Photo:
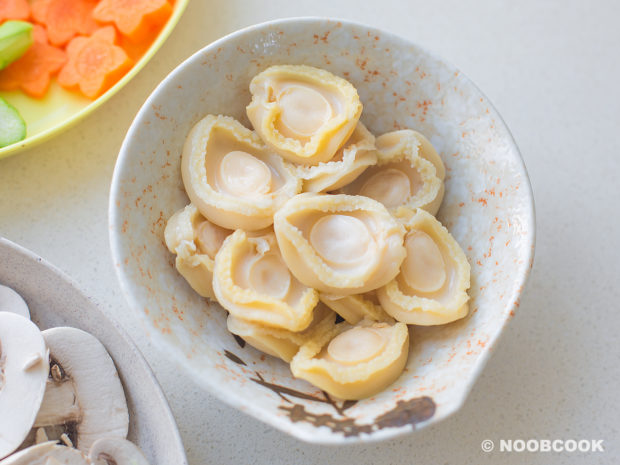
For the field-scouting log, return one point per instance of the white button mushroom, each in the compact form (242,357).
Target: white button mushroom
(107,451)
(23,371)
(84,392)
(11,301)
(47,453)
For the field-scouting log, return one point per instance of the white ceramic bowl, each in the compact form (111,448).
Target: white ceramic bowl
(54,300)
(488,207)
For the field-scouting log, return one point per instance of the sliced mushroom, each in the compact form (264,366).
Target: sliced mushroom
(11,301)
(23,371)
(116,451)
(84,392)
(46,453)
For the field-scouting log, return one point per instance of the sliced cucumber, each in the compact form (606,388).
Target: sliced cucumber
(12,125)
(15,39)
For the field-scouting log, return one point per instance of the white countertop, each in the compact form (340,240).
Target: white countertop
(552,70)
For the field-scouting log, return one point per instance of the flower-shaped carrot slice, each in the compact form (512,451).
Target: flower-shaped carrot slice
(134,18)
(94,63)
(64,19)
(33,71)
(14,9)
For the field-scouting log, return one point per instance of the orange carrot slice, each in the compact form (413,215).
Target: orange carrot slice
(14,9)
(64,19)
(94,63)
(33,71)
(133,18)
(136,50)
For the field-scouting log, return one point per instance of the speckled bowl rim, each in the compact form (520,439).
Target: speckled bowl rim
(521,274)
(174,435)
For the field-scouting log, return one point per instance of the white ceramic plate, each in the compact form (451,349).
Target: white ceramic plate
(488,207)
(54,300)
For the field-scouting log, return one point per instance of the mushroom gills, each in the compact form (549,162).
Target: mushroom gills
(84,391)
(60,399)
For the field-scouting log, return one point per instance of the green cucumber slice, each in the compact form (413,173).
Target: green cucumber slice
(15,39)
(12,125)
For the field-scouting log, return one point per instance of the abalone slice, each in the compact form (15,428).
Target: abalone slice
(397,141)
(339,244)
(349,162)
(231,177)
(355,308)
(252,282)
(281,343)
(409,173)
(303,113)
(354,362)
(431,288)
(195,241)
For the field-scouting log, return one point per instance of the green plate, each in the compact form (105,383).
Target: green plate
(60,109)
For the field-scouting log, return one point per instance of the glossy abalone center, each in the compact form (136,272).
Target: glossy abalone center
(209,237)
(340,239)
(424,268)
(304,111)
(269,275)
(391,187)
(243,174)
(356,345)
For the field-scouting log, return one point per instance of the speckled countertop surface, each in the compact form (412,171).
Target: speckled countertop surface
(551,69)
